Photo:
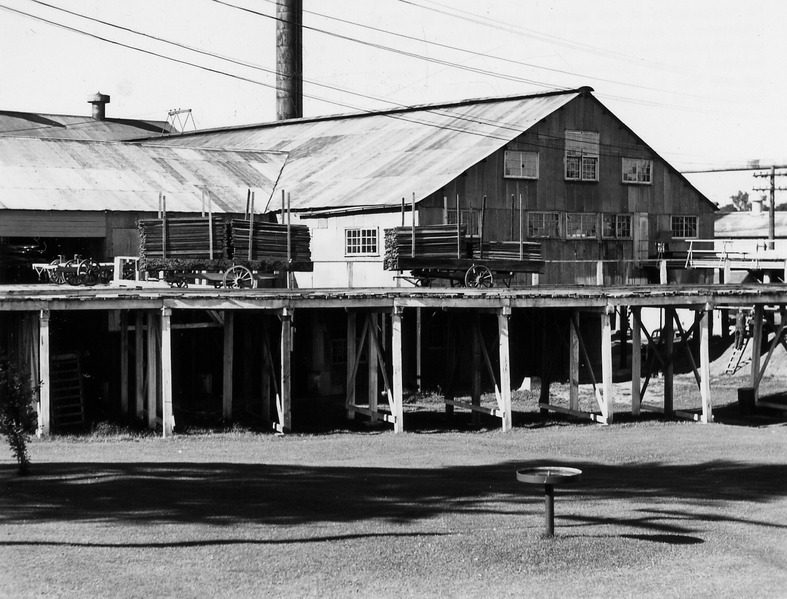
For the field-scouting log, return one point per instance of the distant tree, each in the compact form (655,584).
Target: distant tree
(740,201)
(17,415)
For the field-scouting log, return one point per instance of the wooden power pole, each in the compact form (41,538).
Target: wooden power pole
(772,203)
(289,59)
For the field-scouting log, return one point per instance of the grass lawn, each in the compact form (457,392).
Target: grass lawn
(664,509)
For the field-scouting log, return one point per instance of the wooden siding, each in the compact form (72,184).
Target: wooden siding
(28,223)
(572,260)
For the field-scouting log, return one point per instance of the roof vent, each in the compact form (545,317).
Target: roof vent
(99,102)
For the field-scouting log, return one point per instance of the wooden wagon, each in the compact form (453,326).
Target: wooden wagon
(74,271)
(445,252)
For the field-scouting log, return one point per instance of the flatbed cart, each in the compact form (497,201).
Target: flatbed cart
(223,273)
(75,271)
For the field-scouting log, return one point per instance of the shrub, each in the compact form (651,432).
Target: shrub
(17,415)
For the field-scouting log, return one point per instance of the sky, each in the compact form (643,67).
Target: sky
(701,81)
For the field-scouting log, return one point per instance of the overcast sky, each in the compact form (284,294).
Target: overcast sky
(701,81)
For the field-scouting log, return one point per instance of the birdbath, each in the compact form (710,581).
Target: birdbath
(550,477)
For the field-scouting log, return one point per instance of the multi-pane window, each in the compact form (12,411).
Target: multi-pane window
(581,224)
(521,165)
(637,170)
(543,224)
(616,226)
(683,226)
(360,242)
(469,220)
(582,151)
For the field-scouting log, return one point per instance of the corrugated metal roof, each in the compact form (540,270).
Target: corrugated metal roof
(58,126)
(375,159)
(47,174)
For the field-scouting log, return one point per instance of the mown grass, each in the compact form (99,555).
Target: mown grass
(664,509)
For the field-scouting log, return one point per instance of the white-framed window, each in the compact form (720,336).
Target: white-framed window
(469,220)
(582,151)
(543,224)
(683,226)
(616,226)
(520,165)
(637,170)
(360,242)
(581,224)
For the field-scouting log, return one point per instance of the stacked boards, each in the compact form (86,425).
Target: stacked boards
(270,241)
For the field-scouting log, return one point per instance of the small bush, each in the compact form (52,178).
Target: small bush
(17,416)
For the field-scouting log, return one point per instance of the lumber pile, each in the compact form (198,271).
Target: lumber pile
(183,238)
(268,241)
(431,242)
(506,250)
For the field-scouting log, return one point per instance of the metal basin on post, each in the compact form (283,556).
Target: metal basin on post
(549,477)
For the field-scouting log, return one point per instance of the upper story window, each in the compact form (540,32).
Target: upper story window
(581,224)
(637,170)
(360,242)
(616,226)
(683,226)
(521,165)
(469,220)
(582,151)
(543,224)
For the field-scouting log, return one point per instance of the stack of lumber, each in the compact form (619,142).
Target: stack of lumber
(433,243)
(183,239)
(269,242)
(507,250)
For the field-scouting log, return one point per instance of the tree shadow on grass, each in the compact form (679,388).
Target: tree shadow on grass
(226,494)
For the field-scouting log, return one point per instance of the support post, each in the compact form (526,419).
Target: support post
(285,410)
(139,363)
(636,360)
(418,348)
(44,396)
(372,360)
(475,398)
(669,369)
(606,364)
(351,324)
(267,368)
(229,357)
(707,408)
(505,367)
(397,401)
(124,363)
(756,349)
(152,370)
(573,375)
(167,414)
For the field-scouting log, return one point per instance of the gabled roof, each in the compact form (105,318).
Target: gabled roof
(59,126)
(48,174)
(375,159)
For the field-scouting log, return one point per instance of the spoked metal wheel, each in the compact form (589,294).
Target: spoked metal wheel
(239,277)
(88,272)
(55,276)
(478,276)
(71,274)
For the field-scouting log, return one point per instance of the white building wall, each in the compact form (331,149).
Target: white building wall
(332,267)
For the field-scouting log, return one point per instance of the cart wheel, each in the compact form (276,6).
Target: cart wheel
(70,276)
(239,277)
(478,276)
(88,272)
(55,276)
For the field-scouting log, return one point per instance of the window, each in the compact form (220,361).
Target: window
(683,226)
(637,170)
(616,226)
(360,242)
(581,224)
(469,220)
(543,224)
(521,165)
(582,149)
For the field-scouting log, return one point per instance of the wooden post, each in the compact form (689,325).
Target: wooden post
(286,381)
(707,408)
(229,365)
(350,363)
(521,229)
(663,279)
(124,362)
(476,391)
(481,232)
(372,360)
(44,396)
(267,367)
(636,360)
(289,246)
(546,368)
(505,367)
(600,273)
(668,331)
(458,229)
(573,375)
(412,230)
(606,365)
(167,415)
(397,401)
(418,347)
(139,363)
(152,370)
(756,350)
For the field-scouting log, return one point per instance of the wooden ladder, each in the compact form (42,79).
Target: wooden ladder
(68,405)
(735,359)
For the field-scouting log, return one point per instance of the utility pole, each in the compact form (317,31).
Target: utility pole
(772,204)
(289,59)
